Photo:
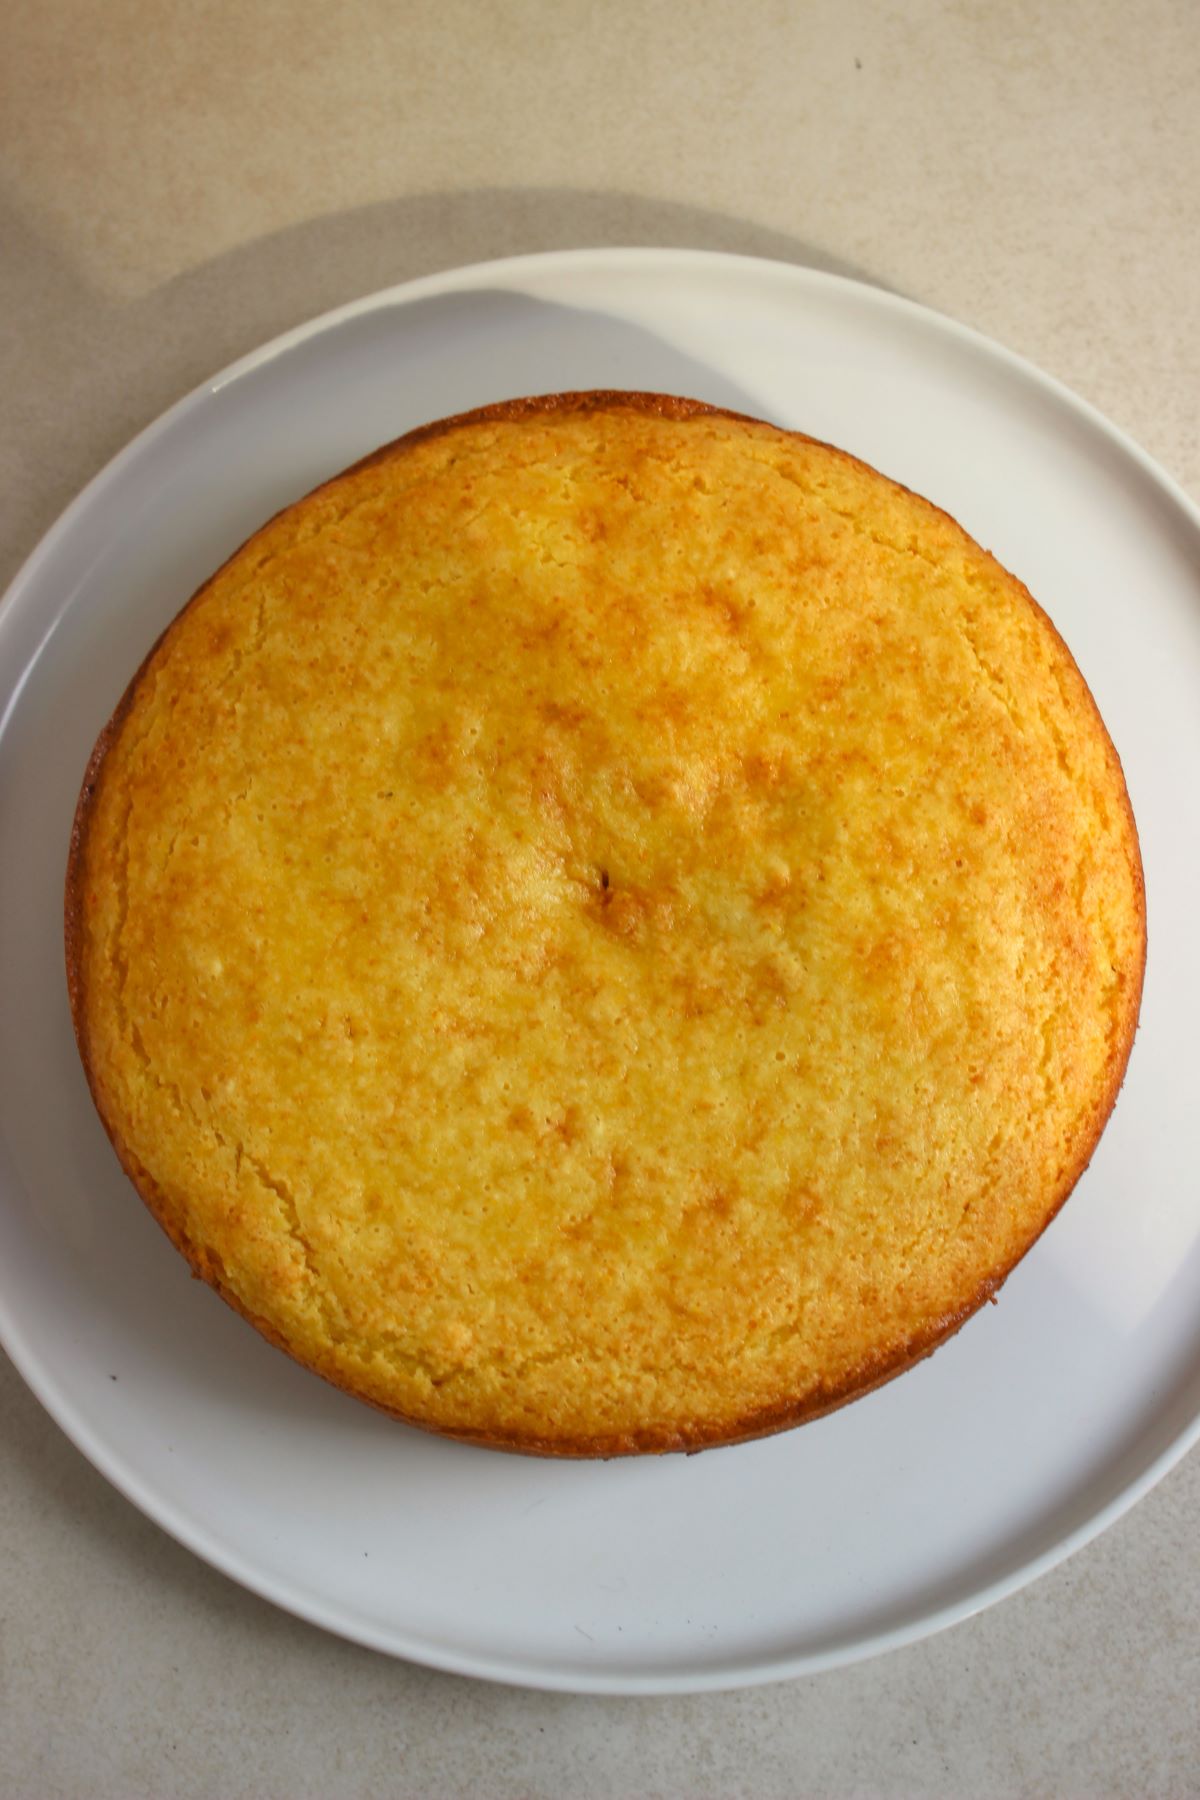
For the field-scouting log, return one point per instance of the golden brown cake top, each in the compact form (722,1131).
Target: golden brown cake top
(608,926)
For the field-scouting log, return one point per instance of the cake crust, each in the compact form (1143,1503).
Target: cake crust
(434,1346)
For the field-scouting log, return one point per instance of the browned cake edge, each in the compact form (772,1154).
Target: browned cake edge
(874,1372)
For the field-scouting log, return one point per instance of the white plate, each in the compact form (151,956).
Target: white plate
(1024,1436)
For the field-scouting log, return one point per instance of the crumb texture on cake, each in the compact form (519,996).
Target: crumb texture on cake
(608,926)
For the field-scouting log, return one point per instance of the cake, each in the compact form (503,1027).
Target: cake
(608,927)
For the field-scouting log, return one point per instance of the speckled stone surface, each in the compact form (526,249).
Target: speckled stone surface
(176,185)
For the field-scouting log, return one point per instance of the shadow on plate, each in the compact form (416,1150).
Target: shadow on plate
(121,363)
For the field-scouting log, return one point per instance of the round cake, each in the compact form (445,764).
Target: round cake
(608,927)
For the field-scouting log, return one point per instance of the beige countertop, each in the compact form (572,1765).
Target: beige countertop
(180,183)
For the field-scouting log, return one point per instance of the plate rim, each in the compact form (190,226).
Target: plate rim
(72,1419)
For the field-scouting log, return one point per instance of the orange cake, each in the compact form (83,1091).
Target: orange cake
(608,927)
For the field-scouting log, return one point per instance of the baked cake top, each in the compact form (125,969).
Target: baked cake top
(609,926)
